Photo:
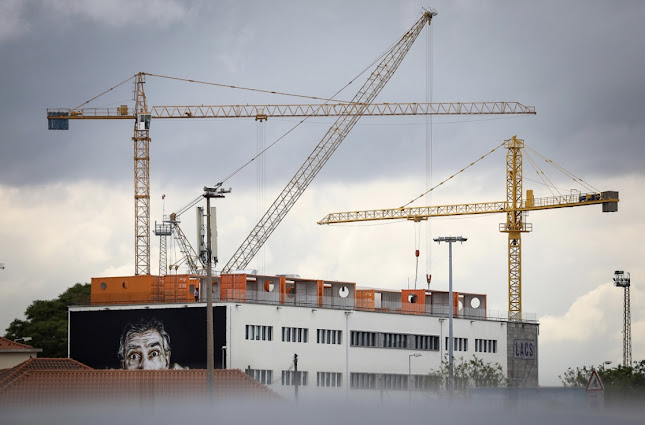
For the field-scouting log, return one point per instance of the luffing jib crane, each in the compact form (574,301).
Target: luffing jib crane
(514,207)
(348,113)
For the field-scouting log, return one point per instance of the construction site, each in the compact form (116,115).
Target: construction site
(300,334)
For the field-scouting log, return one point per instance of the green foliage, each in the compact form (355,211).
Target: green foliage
(46,321)
(620,383)
(473,373)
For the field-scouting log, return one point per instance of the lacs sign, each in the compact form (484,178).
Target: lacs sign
(524,349)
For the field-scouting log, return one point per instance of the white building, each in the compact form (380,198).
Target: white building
(347,340)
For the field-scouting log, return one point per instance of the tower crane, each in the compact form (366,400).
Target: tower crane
(514,207)
(348,112)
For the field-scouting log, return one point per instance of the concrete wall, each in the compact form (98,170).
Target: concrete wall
(9,359)
(314,357)
(522,354)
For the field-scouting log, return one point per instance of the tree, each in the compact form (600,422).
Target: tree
(622,384)
(46,321)
(473,373)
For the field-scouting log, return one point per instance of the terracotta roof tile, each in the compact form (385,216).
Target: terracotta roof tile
(55,386)
(7,375)
(7,344)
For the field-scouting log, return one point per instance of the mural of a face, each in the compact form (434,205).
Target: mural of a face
(145,350)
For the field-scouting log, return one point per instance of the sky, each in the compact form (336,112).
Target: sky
(66,197)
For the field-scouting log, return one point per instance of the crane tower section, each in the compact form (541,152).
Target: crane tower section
(515,224)
(141,140)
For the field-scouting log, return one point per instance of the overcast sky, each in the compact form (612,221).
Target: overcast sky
(66,197)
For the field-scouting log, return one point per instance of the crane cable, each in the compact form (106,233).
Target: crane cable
(429,153)
(211,84)
(308,116)
(230,86)
(458,172)
(542,175)
(564,171)
(101,94)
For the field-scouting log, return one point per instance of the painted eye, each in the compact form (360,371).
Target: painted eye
(134,356)
(154,354)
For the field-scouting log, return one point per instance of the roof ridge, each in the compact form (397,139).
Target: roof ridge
(22,368)
(6,343)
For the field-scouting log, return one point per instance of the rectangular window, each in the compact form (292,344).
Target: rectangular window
(289,377)
(392,340)
(486,345)
(295,334)
(259,332)
(329,336)
(328,379)
(263,376)
(363,380)
(459,344)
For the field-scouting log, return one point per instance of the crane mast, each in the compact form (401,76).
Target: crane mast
(515,225)
(325,148)
(141,140)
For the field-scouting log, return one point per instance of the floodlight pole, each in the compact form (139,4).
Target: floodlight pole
(210,192)
(623,279)
(450,240)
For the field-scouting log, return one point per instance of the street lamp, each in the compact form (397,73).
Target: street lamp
(210,192)
(410,373)
(450,240)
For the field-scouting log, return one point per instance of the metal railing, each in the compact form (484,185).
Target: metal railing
(335,303)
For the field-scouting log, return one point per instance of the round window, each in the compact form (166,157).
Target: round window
(103,286)
(343,291)
(475,303)
(412,298)
(268,286)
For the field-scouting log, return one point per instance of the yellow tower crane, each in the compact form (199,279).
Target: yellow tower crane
(514,207)
(348,113)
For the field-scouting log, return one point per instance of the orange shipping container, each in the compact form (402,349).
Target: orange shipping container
(413,300)
(365,299)
(125,290)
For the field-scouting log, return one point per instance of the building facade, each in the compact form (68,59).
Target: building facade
(326,337)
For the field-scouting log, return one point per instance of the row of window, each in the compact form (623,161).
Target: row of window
(386,381)
(328,336)
(263,376)
(260,333)
(369,339)
(485,346)
(459,344)
(265,333)
(392,340)
(329,379)
(392,381)
(295,334)
(290,377)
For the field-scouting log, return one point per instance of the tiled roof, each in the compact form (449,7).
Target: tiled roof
(55,386)
(8,375)
(7,344)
